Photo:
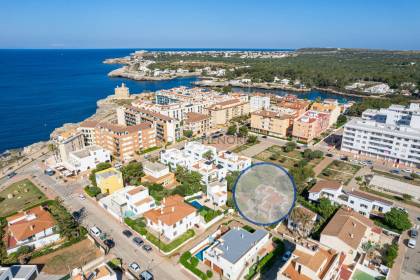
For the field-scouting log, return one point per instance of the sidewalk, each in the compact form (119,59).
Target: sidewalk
(322,165)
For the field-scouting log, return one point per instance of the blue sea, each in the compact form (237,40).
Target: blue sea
(43,89)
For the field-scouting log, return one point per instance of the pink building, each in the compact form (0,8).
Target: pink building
(310,125)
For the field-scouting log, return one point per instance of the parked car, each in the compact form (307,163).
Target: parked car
(329,155)
(412,243)
(11,175)
(110,243)
(49,172)
(408,177)
(147,248)
(135,267)
(408,170)
(344,158)
(264,137)
(146,275)
(414,233)
(127,233)
(402,209)
(95,231)
(76,215)
(286,256)
(369,162)
(395,171)
(138,241)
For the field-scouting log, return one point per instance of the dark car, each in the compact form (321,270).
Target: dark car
(110,243)
(264,136)
(147,248)
(127,233)
(11,175)
(138,241)
(395,171)
(329,155)
(146,275)
(408,178)
(76,215)
(345,158)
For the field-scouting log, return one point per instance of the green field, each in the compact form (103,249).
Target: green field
(339,171)
(18,196)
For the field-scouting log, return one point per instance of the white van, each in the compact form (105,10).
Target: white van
(95,231)
(412,243)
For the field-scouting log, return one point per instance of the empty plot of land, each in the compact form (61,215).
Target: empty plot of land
(277,155)
(20,195)
(339,171)
(59,262)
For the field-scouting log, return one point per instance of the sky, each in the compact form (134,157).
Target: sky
(380,24)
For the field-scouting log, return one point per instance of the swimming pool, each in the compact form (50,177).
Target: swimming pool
(196,204)
(200,254)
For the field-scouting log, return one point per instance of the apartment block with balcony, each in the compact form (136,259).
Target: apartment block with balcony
(259,101)
(272,123)
(310,125)
(330,106)
(199,124)
(391,134)
(121,140)
(224,111)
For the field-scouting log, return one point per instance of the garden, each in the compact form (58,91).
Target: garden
(19,196)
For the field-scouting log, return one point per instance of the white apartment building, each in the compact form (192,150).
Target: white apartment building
(392,134)
(236,251)
(217,192)
(233,162)
(259,102)
(191,154)
(19,272)
(172,218)
(360,202)
(129,202)
(87,158)
(209,171)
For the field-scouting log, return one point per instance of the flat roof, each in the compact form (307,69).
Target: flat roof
(237,242)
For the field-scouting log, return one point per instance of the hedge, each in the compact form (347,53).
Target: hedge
(140,227)
(92,191)
(189,262)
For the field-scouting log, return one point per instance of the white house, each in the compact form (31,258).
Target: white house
(236,251)
(327,189)
(217,192)
(360,202)
(19,272)
(34,228)
(209,171)
(172,218)
(130,201)
(87,158)
(233,162)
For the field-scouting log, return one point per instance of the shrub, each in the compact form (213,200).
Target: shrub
(92,191)
(209,273)
(390,255)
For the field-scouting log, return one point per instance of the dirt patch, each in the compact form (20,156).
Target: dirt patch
(64,260)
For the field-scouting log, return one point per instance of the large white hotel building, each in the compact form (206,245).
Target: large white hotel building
(392,134)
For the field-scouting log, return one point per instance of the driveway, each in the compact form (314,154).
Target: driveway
(256,149)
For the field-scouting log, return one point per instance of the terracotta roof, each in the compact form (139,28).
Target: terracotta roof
(26,227)
(349,226)
(195,117)
(89,124)
(369,197)
(136,190)
(227,103)
(325,184)
(143,201)
(173,209)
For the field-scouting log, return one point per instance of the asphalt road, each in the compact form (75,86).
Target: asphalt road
(160,266)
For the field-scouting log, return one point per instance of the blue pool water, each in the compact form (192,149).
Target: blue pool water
(196,204)
(200,254)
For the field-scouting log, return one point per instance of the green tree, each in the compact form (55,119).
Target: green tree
(208,155)
(325,208)
(243,131)
(187,133)
(132,173)
(252,139)
(390,255)
(231,179)
(290,146)
(301,175)
(341,120)
(190,182)
(397,219)
(232,130)
(101,166)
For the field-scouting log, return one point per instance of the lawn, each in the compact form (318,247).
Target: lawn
(339,171)
(244,147)
(360,275)
(59,262)
(277,155)
(23,194)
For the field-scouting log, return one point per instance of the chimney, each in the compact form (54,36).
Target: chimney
(173,209)
(32,227)
(351,235)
